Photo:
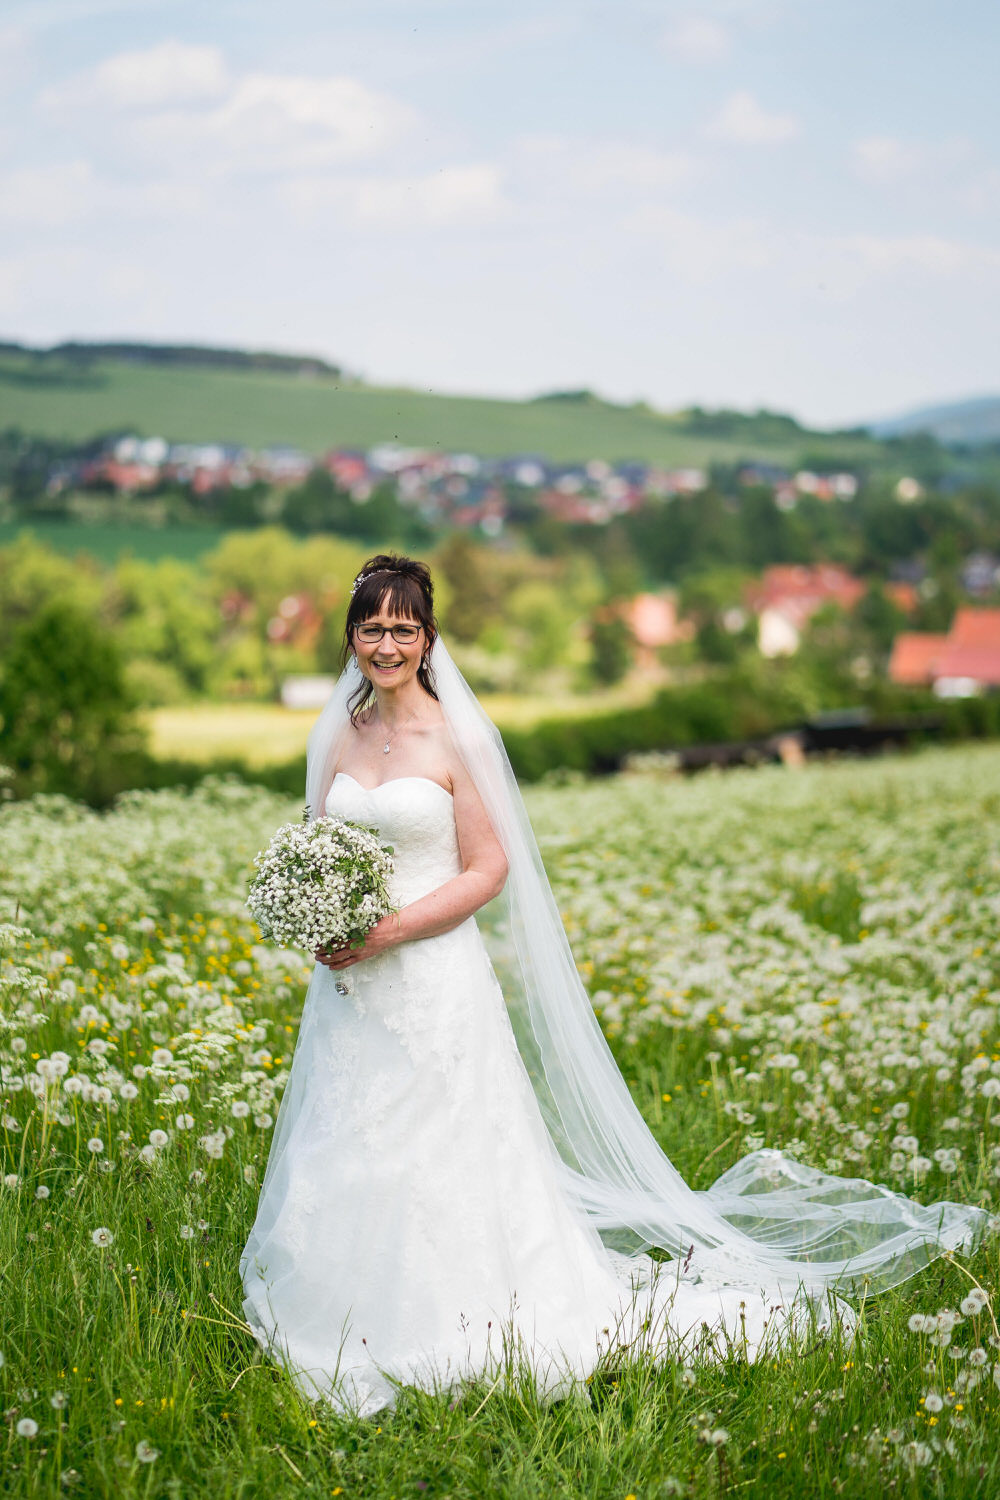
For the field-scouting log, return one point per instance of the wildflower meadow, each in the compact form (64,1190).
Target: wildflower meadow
(799,958)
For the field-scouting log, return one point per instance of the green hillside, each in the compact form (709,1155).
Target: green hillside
(72,401)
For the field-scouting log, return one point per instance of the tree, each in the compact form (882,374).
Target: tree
(474,587)
(880,617)
(66,714)
(32,574)
(165,615)
(611,647)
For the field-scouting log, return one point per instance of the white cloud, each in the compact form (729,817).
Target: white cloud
(916,271)
(558,162)
(695,38)
(701,250)
(329,117)
(15,52)
(273,123)
(57,291)
(745,122)
(452,195)
(881,157)
(170,73)
(636,166)
(47,197)
(982,193)
(922,252)
(189,112)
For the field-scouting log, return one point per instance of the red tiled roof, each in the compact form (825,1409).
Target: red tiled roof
(810,586)
(903,594)
(981,663)
(977,628)
(970,649)
(915,655)
(973,648)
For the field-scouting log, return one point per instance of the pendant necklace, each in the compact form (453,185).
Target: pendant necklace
(390,737)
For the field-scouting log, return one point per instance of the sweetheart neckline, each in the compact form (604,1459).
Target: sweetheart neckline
(429,780)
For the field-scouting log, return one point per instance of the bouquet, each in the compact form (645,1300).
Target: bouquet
(321,884)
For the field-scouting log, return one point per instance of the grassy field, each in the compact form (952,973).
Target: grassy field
(109,543)
(803,959)
(258,408)
(264,734)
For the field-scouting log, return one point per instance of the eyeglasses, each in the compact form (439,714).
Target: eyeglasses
(405,635)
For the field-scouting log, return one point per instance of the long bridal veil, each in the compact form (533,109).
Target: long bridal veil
(767,1222)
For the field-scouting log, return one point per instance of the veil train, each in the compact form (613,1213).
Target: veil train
(769,1221)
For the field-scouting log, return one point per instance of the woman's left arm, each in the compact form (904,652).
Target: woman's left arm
(484,872)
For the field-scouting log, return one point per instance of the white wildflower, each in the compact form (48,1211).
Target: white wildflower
(321,883)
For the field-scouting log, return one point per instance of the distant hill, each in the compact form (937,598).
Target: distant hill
(75,392)
(959,423)
(83,354)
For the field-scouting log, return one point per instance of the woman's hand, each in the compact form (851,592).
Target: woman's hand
(385,934)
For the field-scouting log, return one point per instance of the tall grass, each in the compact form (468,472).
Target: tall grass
(802,958)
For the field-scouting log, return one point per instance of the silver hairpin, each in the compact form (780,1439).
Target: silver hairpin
(363,577)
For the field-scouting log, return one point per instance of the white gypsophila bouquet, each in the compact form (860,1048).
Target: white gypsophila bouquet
(321,884)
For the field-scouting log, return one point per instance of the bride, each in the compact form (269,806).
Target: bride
(459,1182)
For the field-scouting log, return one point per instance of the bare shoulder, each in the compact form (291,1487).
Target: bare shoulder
(437,746)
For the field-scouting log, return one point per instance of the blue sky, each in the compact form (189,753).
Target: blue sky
(786,203)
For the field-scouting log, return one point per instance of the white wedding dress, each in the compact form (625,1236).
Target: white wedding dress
(412,1227)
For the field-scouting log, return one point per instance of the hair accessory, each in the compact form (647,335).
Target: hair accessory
(363,578)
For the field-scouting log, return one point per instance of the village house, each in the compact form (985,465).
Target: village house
(788,594)
(442,486)
(652,619)
(959,664)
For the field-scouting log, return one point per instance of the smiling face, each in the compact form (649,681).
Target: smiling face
(387,662)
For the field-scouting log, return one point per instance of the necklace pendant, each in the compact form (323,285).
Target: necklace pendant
(385,748)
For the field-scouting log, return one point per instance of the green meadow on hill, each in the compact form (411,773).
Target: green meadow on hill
(315,412)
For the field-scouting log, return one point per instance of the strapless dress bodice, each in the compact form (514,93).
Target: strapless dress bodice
(413,814)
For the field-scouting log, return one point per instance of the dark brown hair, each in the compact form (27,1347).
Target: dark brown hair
(401,586)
